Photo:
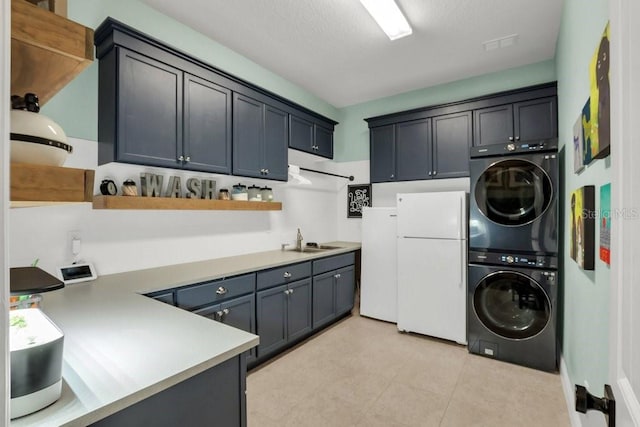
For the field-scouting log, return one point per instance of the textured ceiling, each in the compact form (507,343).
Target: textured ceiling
(334,49)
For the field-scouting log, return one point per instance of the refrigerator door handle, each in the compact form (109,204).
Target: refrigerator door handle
(463,252)
(461,217)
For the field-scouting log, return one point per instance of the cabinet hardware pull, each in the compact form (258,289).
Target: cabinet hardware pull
(219,314)
(225,311)
(221,290)
(187,159)
(517,138)
(435,172)
(181,158)
(266,171)
(510,138)
(392,176)
(286,292)
(287,275)
(290,291)
(429,173)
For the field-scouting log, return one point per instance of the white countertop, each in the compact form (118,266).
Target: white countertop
(121,347)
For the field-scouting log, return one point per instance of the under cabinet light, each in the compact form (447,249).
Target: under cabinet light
(389,17)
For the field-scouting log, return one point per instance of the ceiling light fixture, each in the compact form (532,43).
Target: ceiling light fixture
(389,17)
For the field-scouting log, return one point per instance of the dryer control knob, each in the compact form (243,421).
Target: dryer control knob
(511,147)
(510,259)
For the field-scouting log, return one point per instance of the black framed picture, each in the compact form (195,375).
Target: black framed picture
(358,196)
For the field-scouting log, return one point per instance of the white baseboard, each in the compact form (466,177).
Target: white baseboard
(569,394)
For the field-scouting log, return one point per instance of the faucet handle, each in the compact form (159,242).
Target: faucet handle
(284,245)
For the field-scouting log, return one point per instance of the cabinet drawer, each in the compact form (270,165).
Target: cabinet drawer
(331,263)
(286,274)
(217,290)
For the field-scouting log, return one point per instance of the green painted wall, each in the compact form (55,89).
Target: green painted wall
(75,108)
(353,133)
(586,293)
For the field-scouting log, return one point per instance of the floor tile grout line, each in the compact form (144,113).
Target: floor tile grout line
(453,390)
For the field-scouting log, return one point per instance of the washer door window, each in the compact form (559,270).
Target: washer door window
(513,192)
(511,305)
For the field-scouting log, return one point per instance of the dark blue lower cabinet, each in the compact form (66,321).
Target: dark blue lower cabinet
(283,315)
(299,309)
(215,397)
(345,290)
(333,295)
(323,299)
(271,311)
(238,312)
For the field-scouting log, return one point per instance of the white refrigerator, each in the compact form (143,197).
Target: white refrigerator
(378,290)
(432,264)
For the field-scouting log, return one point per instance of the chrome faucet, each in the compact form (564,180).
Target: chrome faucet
(299,241)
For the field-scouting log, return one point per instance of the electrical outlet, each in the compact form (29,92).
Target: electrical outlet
(75,239)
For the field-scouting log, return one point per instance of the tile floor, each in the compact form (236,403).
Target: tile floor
(363,372)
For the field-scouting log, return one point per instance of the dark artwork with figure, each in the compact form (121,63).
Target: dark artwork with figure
(600,99)
(582,227)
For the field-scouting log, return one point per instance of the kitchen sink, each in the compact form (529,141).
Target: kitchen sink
(314,248)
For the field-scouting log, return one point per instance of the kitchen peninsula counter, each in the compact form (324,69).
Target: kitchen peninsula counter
(122,347)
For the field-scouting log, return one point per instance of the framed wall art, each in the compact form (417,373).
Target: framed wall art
(586,133)
(358,196)
(578,156)
(582,233)
(605,223)
(599,91)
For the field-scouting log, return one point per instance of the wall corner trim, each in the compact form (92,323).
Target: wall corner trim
(569,396)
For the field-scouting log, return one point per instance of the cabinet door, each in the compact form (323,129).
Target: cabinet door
(345,289)
(301,134)
(149,111)
(452,135)
(493,125)
(413,150)
(248,134)
(323,299)
(271,311)
(324,142)
(276,142)
(240,313)
(207,126)
(382,159)
(537,119)
(299,309)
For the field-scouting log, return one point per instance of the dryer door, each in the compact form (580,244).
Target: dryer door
(512,305)
(513,192)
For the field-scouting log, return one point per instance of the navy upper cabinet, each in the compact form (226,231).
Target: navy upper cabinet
(519,121)
(382,148)
(260,139)
(147,108)
(413,150)
(311,136)
(452,138)
(207,125)
(158,106)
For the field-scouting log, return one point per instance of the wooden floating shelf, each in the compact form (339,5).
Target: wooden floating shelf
(38,185)
(47,50)
(129,202)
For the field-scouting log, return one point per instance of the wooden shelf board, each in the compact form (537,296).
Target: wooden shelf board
(38,185)
(127,202)
(47,50)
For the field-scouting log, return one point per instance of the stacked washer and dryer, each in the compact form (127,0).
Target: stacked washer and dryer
(513,253)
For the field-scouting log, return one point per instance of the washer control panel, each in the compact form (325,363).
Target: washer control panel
(499,258)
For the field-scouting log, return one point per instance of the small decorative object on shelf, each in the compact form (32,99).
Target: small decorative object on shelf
(224,194)
(108,187)
(267,194)
(254,194)
(239,192)
(129,188)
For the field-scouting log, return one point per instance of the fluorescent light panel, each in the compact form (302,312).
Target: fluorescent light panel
(389,17)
